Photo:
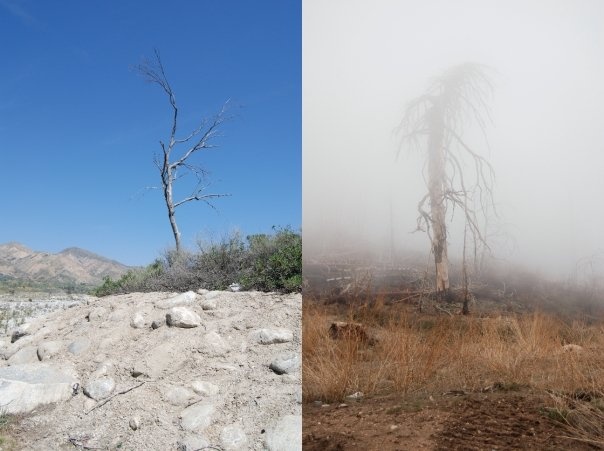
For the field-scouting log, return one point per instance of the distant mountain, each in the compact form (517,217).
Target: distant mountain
(72,266)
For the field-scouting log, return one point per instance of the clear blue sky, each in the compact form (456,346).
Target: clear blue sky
(78,127)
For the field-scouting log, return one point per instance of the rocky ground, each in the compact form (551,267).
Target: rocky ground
(16,309)
(154,371)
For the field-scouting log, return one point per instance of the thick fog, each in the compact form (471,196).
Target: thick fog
(363,61)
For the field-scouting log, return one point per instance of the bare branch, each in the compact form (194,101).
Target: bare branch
(154,73)
(193,133)
(483,169)
(204,141)
(204,198)
(423,216)
(141,192)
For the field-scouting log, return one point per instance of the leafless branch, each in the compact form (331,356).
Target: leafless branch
(204,141)
(423,216)
(141,192)
(204,198)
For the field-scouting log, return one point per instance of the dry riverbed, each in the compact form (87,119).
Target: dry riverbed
(158,371)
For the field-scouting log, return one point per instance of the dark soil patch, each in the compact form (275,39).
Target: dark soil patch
(457,421)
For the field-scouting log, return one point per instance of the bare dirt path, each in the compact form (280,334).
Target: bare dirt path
(455,421)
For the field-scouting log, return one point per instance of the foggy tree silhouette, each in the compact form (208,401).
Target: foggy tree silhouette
(434,123)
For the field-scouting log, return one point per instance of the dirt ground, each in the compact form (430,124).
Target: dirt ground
(172,387)
(450,421)
(521,342)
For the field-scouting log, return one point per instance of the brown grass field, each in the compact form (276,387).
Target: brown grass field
(434,381)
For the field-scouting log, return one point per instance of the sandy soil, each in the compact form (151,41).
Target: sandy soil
(221,364)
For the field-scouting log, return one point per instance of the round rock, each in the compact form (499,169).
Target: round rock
(197,417)
(182,317)
(286,435)
(135,423)
(48,349)
(192,443)
(209,304)
(25,387)
(233,438)
(156,324)
(79,346)
(214,345)
(272,336)
(97,314)
(205,388)
(137,321)
(99,388)
(181,299)
(177,396)
(27,354)
(286,363)
(21,331)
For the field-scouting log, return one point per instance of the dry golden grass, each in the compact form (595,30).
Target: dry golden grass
(583,420)
(441,353)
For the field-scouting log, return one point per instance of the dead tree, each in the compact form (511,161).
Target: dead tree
(434,123)
(171,167)
(587,277)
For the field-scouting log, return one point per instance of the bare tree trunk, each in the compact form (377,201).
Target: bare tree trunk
(436,186)
(198,140)
(439,115)
(167,180)
(465,280)
(175,231)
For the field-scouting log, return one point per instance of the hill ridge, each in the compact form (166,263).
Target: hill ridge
(71,266)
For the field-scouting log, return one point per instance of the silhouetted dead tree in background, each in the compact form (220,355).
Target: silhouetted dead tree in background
(434,123)
(172,168)
(588,276)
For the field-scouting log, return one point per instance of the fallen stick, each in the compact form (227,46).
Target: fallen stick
(437,307)
(416,295)
(80,443)
(193,403)
(105,401)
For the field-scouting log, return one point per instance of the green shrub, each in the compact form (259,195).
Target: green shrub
(275,262)
(261,262)
(138,279)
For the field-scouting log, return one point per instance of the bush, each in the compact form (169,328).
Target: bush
(261,262)
(217,265)
(275,262)
(139,279)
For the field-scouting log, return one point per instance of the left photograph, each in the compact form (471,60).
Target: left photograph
(151,245)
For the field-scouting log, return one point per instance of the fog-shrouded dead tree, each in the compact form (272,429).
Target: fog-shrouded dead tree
(588,277)
(173,165)
(456,176)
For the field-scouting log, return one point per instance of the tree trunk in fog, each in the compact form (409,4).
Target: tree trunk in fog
(464,274)
(433,123)
(436,190)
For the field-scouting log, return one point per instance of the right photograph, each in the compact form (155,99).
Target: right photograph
(453,218)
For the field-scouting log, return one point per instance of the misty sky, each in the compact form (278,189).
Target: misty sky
(362,61)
